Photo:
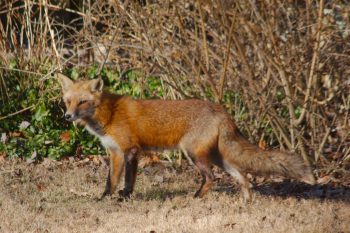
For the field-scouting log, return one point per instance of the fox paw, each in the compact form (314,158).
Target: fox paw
(104,194)
(124,194)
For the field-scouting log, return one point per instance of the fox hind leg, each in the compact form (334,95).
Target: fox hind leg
(234,171)
(200,150)
(203,164)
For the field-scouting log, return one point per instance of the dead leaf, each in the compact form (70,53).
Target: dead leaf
(96,160)
(324,180)
(79,151)
(80,194)
(40,187)
(249,176)
(18,172)
(2,157)
(219,175)
(259,179)
(65,136)
(155,159)
(262,144)
(34,155)
(159,179)
(148,160)
(103,161)
(229,225)
(335,156)
(16,134)
(277,179)
(47,162)
(144,162)
(86,160)
(32,158)
(70,159)
(30,161)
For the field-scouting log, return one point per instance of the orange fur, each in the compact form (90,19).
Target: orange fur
(203,130)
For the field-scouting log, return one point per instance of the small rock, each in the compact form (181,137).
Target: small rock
(4,138)
(24,125)
(159,179)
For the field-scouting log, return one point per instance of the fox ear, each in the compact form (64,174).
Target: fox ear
(66,83)
(96,85)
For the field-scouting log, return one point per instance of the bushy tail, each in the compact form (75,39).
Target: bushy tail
(239,152)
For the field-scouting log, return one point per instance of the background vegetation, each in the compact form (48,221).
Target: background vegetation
(281,68)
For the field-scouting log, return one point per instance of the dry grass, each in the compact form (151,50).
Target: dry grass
(61,197)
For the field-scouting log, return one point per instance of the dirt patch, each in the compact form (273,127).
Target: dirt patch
(62,197)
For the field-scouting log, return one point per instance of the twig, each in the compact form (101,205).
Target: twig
(273,117)
(7,171)
(107,54)
(68,10)
(346,155)
(320,148)
(228,48)
(18,112)
(204,36)
(210,81)
(177,89)
(276,133)
(52,35)
(313,64)
(284,81)
(56,68)
(243,57)
(19,70)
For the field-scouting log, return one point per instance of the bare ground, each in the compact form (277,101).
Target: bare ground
(62,197)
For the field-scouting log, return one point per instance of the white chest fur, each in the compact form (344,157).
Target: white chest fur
(107,141)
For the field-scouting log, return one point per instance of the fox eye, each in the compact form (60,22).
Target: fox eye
(82,102)
(68,102)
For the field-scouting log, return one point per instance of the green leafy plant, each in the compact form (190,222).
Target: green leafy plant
(40,131)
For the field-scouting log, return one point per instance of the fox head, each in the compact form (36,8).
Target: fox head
(81,97)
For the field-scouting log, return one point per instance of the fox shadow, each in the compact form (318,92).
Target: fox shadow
(298,190)
(283,189)
(305,191)
(160,194)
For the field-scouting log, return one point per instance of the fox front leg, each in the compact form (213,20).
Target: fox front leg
(116,166)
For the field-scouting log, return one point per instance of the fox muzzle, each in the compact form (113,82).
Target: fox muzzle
(69,117)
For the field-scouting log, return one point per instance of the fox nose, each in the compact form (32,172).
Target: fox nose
(68,116)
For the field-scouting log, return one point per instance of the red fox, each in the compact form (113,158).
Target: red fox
(201,129)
